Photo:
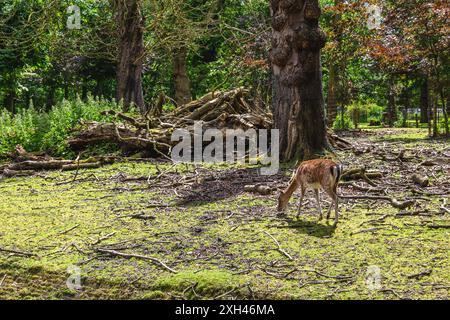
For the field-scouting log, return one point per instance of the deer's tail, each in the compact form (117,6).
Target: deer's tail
(337,171)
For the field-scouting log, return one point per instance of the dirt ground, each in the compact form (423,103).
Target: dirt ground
(153,230)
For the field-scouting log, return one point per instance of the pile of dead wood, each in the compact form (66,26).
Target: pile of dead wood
(151,134)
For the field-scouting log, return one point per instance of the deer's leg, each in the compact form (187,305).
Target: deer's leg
(334,197)
(302,190)
(330,193)
(316,192)
(336,214)
(329,209)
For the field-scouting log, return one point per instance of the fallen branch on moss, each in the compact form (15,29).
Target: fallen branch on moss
(394,202)
(20,253)
(138,256)
(27,164)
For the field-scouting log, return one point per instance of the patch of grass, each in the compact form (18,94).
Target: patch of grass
(403,135)
(193,284)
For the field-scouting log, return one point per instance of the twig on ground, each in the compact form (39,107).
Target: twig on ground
(138,256)
(279,246)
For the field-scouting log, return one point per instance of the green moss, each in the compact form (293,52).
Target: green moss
(216,246)
(205,283)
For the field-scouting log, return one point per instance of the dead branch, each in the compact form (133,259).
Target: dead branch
(20,253)
(394,202)
(279,246)
(138,256)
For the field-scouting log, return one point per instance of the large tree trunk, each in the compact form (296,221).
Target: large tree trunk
(131,53)
(424,102)
(180,77)
(297,102)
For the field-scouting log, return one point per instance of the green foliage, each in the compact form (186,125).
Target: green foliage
(444,124)
(38,131)
(372,121)
(343,122)
(400,121)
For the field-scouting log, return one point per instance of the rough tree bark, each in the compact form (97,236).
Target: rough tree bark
(297,102)
(180,77)
(131,53)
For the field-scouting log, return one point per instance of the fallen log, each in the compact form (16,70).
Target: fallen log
(394,202)
(39,165)
(77,166)
(30,167)
(361,173)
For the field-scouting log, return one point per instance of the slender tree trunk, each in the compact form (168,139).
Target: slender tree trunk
(9,101)
(297,102)
(84,92)
(131,53)
(391,108)
(446,108)
(50,100)
(331,98)
(435,116)
(406,103)
(333,72)
(180,77)
(97,92)
(430,104)
(424,102)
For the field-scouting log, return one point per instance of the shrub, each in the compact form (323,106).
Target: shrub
(25,128)
(343,122)
(38,131)
(373,122)
(444,124)
(400,123)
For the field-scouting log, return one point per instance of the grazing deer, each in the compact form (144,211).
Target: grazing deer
(315,174)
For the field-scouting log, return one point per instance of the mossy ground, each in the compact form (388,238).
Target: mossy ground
(217,239)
